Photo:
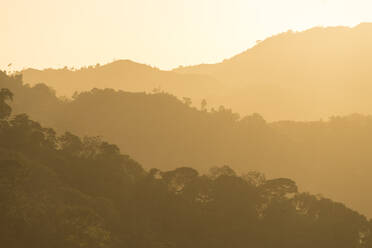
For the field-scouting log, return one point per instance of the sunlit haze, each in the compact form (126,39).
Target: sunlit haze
(185,123)
(162,33)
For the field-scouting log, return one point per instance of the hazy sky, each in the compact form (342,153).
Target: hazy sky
(162,33)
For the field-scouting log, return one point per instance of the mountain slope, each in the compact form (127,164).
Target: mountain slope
(300,75)
(291,76)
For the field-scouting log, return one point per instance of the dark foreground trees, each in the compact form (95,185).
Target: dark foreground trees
(64,191)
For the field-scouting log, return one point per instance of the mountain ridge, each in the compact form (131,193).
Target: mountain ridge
(303,76)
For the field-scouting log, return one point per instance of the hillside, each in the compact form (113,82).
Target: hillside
(161,131)
(300,75)
(65,191)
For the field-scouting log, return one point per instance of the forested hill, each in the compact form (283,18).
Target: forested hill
(161,131)
(63,191)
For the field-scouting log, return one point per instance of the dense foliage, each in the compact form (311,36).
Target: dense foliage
(331,157)
(65,191)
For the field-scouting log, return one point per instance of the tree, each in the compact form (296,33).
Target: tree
(5,110)
(203,105)
(187,101)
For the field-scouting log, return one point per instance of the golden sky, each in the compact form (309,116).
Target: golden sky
(162,33)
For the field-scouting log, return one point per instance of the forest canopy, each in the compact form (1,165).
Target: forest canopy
(66,191)
(159,130)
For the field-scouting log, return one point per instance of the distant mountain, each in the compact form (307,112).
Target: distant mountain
(124,75)
(291,76)
(299,75)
